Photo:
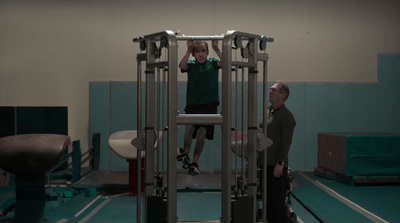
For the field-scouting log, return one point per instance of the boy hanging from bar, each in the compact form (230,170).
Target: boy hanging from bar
(201,97)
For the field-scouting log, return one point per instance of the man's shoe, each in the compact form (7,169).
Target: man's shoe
(194,169)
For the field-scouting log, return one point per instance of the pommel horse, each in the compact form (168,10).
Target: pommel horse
(29,157)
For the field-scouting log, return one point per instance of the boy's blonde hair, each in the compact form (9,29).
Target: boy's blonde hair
(200,42)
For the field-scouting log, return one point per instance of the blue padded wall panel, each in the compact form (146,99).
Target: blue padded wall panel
(123,116)
(316,119)
(389,92)
(99,118)
(341,107)
(365,109)
(295,103)
(123,106)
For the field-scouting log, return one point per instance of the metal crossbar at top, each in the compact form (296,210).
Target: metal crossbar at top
(243,36)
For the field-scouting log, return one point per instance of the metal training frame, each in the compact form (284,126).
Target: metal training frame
(160,115)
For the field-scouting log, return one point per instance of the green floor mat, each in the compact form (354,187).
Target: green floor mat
(323,205)
(381,200)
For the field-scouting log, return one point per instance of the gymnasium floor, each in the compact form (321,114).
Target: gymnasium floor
(102,197)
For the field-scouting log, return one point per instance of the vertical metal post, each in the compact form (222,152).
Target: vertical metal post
(158,128)
(172,126)
(149,126)
(264,153)
(236,128)
(226,127)
(242,173)
(252,128)
(138,152)
(164,97)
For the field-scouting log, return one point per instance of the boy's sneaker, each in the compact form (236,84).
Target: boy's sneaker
(186,162)
(184,158)
(181,154)
(194,169)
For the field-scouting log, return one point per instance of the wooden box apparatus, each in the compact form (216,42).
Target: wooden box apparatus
(359,158)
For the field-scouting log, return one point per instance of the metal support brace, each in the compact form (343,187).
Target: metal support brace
(194,119)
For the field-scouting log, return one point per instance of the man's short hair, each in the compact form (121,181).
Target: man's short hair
(284,89)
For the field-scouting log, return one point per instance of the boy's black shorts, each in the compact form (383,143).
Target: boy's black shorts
(211,108)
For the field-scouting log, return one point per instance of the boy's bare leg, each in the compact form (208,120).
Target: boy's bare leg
(200,141)
(187,140)
(187,144)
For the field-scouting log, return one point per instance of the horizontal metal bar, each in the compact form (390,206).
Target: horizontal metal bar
(199,37)
(158,35)
(197,119)
(153,36)
(243,64)
(246,36)
(158,64)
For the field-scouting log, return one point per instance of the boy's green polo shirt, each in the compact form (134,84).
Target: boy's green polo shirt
(202,85)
